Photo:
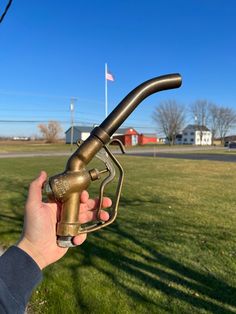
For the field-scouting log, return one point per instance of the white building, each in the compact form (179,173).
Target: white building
(196,135)
(79,132)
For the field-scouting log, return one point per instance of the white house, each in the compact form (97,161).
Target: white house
(196,135)
(79,132)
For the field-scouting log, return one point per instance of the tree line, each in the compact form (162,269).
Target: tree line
(170,117)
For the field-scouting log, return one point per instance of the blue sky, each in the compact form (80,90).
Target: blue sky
(52,50)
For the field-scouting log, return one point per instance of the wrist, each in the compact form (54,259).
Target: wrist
(25,245)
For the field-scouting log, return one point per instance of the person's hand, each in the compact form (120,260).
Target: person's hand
(39,232)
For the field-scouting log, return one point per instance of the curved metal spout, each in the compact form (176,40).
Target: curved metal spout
(134,98)
(101,134)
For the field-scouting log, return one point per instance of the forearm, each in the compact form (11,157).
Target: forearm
(19,274)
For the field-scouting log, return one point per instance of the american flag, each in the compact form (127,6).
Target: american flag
(109,77)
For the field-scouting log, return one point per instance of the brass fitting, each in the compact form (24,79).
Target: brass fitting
(66,188)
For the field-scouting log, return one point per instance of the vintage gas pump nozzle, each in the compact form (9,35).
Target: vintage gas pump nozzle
(66,187)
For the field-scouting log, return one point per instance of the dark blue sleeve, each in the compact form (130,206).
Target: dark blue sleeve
(19,274)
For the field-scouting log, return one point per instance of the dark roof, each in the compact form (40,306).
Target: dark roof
(82,128)
(123,130)
(230,138)
(197,127)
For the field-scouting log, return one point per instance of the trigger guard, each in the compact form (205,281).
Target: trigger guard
(109,160)
(104,157)
(93,224)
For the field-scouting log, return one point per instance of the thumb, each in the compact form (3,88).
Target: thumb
(35,189)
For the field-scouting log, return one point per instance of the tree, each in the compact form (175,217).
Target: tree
(226,120)
(50,131)
(169,116)
(213,110)
(222,119)
(200,112)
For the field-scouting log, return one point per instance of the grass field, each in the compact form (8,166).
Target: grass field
(40,146)
(172,248)
(31,146)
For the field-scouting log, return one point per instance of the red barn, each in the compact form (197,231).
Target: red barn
(128,136)
(147,138)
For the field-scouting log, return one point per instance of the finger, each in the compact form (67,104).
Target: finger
(106,202)
(93,204)
(92,215)
(78,240)
(84,197)
(35,189)
(103,215)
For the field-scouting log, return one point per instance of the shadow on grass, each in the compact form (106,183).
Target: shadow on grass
(154,270)
(12,208)
(137,262)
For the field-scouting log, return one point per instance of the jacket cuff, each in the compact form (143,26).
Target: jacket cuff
(20,274)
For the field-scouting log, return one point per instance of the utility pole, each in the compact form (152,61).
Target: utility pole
(72,109)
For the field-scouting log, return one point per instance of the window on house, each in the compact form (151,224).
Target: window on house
(191,139)
(192,133)
(186,133)
(185,140)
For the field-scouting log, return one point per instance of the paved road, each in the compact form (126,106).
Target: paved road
(198,156)
(183,153)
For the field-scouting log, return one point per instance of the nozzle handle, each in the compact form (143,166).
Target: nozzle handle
(109,161)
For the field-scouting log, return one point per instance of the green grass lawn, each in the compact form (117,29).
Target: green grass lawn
(172,248)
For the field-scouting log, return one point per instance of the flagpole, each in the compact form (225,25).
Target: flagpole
(106,105)
(72,109)
(72,123)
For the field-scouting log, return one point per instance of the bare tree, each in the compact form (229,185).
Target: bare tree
(200,113)
(50,131)
(213,110)
(169,116)
(226,120)
(222,119)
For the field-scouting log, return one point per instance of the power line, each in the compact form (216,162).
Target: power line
(76,122)
(5,11)
(46,110)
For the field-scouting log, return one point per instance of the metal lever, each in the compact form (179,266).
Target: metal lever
(108,158)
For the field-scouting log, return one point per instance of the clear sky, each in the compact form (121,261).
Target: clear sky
(53,50)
